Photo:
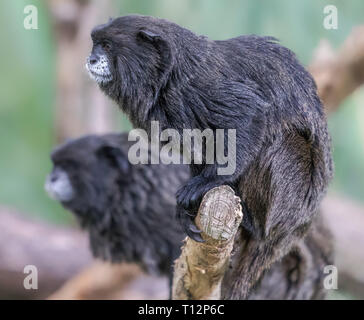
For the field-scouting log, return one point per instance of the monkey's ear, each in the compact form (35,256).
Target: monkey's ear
(148,35)
(116,157)
(165,49)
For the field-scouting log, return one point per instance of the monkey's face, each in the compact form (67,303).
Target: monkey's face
(98,65)
(85,173)
(130,58)
(121,54)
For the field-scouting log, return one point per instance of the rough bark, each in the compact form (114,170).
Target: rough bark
(201,266)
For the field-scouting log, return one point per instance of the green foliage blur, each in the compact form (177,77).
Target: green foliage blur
(27,82)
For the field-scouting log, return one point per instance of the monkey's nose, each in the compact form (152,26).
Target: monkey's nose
(93,59)
(54,177)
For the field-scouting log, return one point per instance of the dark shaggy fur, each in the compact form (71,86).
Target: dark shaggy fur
(128,210)
(298,275)
(161,71)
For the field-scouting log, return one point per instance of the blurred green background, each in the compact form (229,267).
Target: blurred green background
(27,83)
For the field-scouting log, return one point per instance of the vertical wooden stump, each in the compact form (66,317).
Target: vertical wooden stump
(200,268)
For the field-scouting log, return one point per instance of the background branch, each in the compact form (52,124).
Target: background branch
(346,221)
(339,73)
(113,282)
(81,108)
(58,253)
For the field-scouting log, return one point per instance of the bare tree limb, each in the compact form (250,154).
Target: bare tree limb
(201,266)
(346,221)
(65,266)
(338,74)
(113,282)
(57,252)
(81,107)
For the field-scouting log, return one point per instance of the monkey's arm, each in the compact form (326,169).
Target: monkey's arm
(244,121)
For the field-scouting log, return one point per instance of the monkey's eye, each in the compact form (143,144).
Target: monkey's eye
(106,45)
(67,164)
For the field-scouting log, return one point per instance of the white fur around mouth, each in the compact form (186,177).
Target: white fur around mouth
(99,71)
(98,77)
(61,189)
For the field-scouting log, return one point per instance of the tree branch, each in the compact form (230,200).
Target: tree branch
(57,252)
(338,74)
(121,281)
(346,221)
(201,266)
(80,106)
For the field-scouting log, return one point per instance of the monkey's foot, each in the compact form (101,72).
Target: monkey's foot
(190,195)
(188,200)
(187,221)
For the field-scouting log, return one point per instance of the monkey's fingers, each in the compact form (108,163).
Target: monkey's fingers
(194,228)
(189,227)
(196,236)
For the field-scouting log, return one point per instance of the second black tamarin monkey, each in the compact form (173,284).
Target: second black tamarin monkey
(157,70)
(128,210)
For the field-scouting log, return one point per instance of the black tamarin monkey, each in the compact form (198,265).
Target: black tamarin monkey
(157,70)
(128,210)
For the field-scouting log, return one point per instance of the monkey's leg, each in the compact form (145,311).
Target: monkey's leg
(190,195)
(282,194)
(252,258)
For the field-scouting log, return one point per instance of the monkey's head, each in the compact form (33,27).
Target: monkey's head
(86,173)
(128,211)
(133,57)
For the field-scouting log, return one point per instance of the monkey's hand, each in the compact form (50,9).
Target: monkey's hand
(188,200)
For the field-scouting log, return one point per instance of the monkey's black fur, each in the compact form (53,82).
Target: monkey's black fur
(123,206)
(298,275)
(161,71)
(128,210)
